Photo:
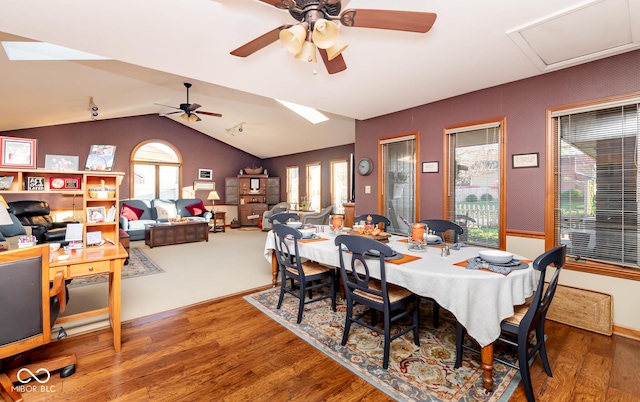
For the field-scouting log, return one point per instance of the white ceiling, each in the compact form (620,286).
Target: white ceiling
(156,45)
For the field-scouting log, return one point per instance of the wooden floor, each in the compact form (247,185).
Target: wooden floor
(227,350)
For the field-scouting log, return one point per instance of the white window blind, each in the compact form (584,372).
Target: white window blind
(598,184)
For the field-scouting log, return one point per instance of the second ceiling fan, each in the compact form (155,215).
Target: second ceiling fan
(317,31)
(189,112)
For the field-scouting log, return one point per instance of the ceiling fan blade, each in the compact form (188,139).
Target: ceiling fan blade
(333,66)
(209,113)
(172,107)
(259,42)
(411,21)
(167,114)
(271,2)
(192,107)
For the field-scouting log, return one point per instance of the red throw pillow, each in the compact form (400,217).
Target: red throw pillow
(196,209)
(131,213)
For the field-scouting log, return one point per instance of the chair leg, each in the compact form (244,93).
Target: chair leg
(387,340)
(523,364)
(347,322)
(283,284)
(334,287)
(543,348)
(436,313)
(460,331)
(416,322)
(302,298)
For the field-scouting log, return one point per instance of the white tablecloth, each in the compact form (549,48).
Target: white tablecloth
(480,300)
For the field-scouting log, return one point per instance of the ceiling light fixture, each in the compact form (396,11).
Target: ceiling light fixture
(93,108)
(237,129)
(304,39)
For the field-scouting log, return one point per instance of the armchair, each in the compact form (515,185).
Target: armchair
(321,218)
(36,214)
(276,209)
(29,305)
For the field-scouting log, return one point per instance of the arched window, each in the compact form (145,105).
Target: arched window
(157,171)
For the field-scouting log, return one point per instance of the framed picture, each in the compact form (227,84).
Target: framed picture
(204,185)
(205,174)
(101,158)
(5,182)
(525,160)
(18,152)
(35,183)
(61,162)
(96,214)
(430,167)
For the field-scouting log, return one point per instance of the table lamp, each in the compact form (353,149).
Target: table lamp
(213,196)
(5,219)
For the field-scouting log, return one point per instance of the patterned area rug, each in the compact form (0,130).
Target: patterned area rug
(139,265)
(416,373)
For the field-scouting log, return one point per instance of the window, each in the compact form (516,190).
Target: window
(596,182)
(475,173)
(313,200)
(339,185)
(293,187)
(399,197)
(156,168)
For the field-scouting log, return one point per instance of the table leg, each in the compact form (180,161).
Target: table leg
(114,301)
(487,366)
(274,270)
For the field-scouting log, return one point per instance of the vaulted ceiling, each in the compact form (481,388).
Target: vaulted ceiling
(157,45)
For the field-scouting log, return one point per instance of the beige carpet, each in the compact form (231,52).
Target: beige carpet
(229,263)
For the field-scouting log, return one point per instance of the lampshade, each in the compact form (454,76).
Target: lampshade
(308,52)
(325,33)
(293,38)
(5,219)
(335,50)
(3,202)
(213,195)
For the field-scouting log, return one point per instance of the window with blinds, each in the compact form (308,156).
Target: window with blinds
(474,182)
(597,184)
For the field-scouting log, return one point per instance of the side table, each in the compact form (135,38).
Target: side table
(217,222)
(124,240)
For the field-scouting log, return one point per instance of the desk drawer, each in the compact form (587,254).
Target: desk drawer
(88,268)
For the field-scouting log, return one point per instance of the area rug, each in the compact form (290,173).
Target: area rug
(249,229)
(139,265)
(415,373)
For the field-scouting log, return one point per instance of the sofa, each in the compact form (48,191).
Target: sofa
(37,215)
(9,234)
(135,214)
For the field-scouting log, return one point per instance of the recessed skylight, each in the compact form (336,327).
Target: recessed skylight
(308,113)
(45,51)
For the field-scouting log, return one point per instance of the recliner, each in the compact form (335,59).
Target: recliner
(37,215)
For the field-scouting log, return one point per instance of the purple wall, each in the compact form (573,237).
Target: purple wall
(524,104)
(278,167)
(198,150)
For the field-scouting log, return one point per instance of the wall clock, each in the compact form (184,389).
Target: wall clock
(365,166)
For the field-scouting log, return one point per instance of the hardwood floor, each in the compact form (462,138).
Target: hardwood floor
(227,350)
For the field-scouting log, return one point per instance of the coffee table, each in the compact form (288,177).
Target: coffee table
(165,234)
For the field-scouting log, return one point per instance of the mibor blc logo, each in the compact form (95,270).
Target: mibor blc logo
(41,376)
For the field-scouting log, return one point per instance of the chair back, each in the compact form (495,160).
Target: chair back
(375,218)
(26,312)
(283,217)
(358,285)
(286,240)
(542,298)
(321,218)
(441,226)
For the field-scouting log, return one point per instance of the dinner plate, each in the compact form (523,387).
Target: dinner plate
(376,254)
(513,264)
(312,237)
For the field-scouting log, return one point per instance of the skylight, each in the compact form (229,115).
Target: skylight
(308,113)
(45,51)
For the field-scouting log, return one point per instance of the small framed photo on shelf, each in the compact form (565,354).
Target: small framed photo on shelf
(18,152)
(525,160)
(63,163)
(96,214)
(430,167)
(5,182)
(35,183)
(205,174)
(101,158)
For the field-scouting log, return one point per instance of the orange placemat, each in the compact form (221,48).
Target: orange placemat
(405,258)
(312,240)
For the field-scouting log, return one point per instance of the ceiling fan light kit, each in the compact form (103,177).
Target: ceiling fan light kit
(316,29)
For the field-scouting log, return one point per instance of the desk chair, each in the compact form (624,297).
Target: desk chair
(376,220)
(441,226)
(393,301)
(29,305)
(527,318)
(308,275)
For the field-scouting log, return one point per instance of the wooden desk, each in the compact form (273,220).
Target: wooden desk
(91,261)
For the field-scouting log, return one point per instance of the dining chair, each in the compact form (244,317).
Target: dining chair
(393,301)
(527,318)
(307,275)
(441,226)
(320,218)
(375,218)
(283,217)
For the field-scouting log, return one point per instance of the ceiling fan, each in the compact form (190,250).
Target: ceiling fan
(189,112)
(316,29)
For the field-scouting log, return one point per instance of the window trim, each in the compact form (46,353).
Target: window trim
(592,267)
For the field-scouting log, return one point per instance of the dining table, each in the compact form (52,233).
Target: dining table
(480,299)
